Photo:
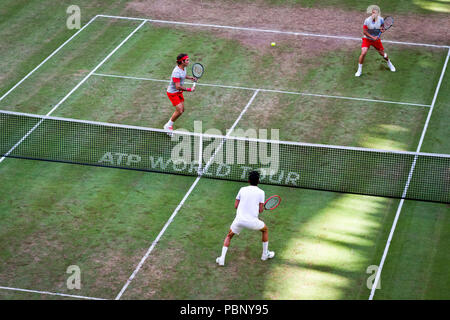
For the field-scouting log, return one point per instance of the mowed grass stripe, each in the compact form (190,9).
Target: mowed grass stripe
(33,32)
(436,138)
(54,79)
(417,264)
(25,26)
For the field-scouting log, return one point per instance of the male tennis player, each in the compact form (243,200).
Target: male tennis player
(175,89)
(249,204)
(371,28)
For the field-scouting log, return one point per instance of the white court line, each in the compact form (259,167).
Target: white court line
(72,91)
(399,209)
(46,59)
(154,243)
(269,90)
(51,293)
(270,31)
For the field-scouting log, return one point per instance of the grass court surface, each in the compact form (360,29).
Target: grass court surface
(107,220)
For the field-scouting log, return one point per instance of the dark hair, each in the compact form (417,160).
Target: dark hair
(253,178)
(181,55)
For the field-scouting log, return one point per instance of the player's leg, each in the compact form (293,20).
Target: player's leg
(364,50)
(265,234)
(228,238)
(383,54)
(380,49)
(221,260)
(266,254)
(177,100)
(362,55)
(179,109)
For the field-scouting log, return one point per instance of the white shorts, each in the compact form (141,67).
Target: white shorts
(239,224)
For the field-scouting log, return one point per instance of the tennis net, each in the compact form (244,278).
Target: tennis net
(397,174)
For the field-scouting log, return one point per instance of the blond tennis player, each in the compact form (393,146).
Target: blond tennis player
(371,27)
(249,204)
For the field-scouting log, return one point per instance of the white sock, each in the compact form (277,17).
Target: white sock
(170,123)
(359,66)
(224,252)
(265,247)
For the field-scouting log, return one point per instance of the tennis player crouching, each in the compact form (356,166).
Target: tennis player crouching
(372,26)
(175,89)
(249,204)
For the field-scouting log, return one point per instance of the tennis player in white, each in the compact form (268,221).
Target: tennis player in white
(249,204)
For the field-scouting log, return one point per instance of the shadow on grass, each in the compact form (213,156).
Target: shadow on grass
(323,241)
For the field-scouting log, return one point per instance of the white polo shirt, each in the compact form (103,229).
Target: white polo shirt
(250,197)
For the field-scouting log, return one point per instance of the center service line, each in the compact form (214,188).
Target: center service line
(154,243)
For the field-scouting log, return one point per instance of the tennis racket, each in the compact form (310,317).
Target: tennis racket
(197,71)
(388,22)
(272,202)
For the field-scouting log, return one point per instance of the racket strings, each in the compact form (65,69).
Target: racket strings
(388,22)
(197,71)
(271,203)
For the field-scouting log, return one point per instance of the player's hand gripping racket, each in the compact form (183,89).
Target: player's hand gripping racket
(197,71)
(272,202)
(388,22)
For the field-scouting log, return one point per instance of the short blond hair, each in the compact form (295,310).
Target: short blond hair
(373,7)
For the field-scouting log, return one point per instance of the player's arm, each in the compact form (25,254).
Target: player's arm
(261,207)
(382,29)
(366,33)
(192,78)
(236,203)
(179,87)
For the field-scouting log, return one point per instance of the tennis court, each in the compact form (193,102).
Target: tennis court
(147,235)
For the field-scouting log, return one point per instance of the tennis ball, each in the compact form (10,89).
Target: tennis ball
(273,44)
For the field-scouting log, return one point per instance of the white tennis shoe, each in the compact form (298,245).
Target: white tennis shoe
(170,129)
(391,66)
(358,73)
(220,261)
(269,255)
